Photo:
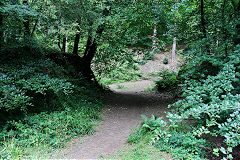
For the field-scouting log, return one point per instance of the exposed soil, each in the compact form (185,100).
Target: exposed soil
(121,114)
(157,64)
(124,107)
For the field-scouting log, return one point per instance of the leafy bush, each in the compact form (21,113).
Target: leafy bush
(181,145)
(211,99)
(51,129)
(38,107)
(178,142)
(165,60)
(20,83)
(167,82)
(148,126)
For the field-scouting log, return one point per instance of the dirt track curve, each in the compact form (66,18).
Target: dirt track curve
(122,113)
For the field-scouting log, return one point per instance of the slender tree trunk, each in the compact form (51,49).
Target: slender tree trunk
(174,49)
(154,44)
(76,41)
(64,44)
(66,49)
(34,28)
(203,23)
(203,27)
(174,39)
(237,12)
(89,43)
(224,32)
(59,42)
(237,39)
(26,23)
(1,27)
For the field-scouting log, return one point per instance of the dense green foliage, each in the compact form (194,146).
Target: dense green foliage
(210,78)
(167,82)
(209,81)
(21,80)
(212,99)
(48,49)
(50,130)
(43,107)
(179,143)
(116,66)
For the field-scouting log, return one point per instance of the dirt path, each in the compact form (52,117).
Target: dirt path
(122,114)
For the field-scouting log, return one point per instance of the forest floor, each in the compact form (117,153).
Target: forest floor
(122,113)
(124,107)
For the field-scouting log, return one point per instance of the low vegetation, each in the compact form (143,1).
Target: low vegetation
(179,142)
(208,107)
(167,81)
(42,107)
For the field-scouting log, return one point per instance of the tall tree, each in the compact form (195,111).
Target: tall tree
(91,47)
(77,38)
(174,35)
(203,23)
(154,46)
(1,25)
(26,22)
(236,6)
(64,44)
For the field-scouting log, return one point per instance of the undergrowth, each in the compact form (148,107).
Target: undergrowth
(168,81)
(50,129)
(180,143)
(208,107)
(42,108)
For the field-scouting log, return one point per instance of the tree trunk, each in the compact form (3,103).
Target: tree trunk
(89,42)
(237,39)
(64,44)
(1,27)
(224,32)
(59,42)
(174,49)
(203,24)
(174,39)
(76,42)
(34,28)
(154,44)
(91,49)
(26,23)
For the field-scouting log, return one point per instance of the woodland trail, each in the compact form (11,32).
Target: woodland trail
(122,113)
